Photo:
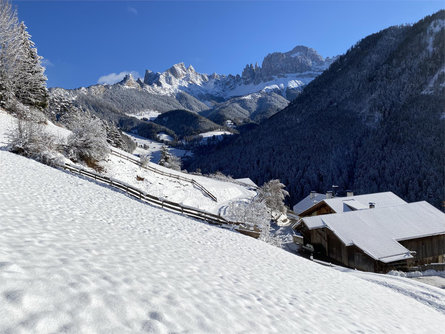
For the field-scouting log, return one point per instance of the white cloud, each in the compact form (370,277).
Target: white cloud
(112,78)
(132,10)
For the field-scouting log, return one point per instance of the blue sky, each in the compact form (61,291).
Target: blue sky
(83,41)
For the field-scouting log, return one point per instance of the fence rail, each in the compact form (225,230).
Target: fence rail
(154,170)
(189,211)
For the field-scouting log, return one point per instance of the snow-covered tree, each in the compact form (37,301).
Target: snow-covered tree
(88,142)
(21,73)
(29,78)
(169,160)
(252,213)
(145,159)
(9,50)
(272,193)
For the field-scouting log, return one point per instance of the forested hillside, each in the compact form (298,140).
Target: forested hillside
(374,121)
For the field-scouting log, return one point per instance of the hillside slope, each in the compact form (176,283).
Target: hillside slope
(185,123)
(79,257)
(373,122)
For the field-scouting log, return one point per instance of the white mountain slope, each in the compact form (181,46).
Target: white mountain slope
(76,257)
(279,72)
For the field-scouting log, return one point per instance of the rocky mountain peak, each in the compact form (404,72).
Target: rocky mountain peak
(129,81)
(178,70)
(298,60)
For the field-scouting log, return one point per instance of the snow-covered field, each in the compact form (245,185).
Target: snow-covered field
(148,114)
(8,123)
(173,189)
(146,145)
(77,257)
(214,134)
(427,294)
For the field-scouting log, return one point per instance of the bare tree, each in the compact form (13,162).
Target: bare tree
(272,193)
(145,159)
(253,214)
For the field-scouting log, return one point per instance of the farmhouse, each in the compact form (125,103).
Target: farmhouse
(392,235)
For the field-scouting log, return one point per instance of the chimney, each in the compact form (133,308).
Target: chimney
(371,205)
(328,194)
(312,195)
(349,193)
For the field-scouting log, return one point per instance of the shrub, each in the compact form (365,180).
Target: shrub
(88,142)
(145,159)
(31,140)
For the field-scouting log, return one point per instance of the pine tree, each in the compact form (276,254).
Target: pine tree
(21,73)
(169,160)
(30,80)
(165,156)
(9,50)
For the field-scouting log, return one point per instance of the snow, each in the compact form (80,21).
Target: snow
(8,124)
(175,190)
(380,200)
(435,27)
(377,231)
(297,54)
(214,133)
(153,147)
(164,136)
(426,294)
(197,84)
(148,114)
(218,134)
(247,181)
(277,83)
(308,202)
(433,82)
(78,257)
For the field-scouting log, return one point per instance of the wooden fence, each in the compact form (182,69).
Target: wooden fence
(160,172)
(188,211)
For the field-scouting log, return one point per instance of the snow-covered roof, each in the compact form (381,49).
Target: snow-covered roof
(247,181)
(377,231)
(308,202)
(360,202)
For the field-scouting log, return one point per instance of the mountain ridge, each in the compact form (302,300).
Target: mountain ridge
(372,122)
(253,96)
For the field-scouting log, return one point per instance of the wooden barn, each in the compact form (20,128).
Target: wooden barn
(378,239)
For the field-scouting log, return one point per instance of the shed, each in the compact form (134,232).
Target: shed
(247,181)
